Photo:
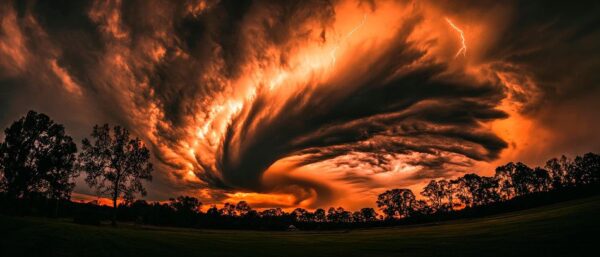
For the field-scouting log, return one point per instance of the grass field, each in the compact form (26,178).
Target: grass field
(564,229)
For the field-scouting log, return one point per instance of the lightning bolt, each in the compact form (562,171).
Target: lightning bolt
(332,53)
(463,49)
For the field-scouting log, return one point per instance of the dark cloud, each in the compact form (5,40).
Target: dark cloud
(194,79)
(556,42)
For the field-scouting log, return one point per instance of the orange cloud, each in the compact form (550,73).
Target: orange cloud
(308,104)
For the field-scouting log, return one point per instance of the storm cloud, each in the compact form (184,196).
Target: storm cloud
(316,100)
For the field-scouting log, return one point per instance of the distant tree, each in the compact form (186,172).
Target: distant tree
(523,179)
(504,176)
(332,215)
(542,180)
(37,156)
(559,170)
(435,193)
(368,214)
(343,215)
(397,203)
(140,210)
(251,214)
(338,215)
(186,204)
(213,212)
(515,179)
(357,217)
(242,208)
(448,190)
(319,215)
(186,210)
(277,212)
(477,190)
(309,217)
(273,212)
(115,164)
(228,210)
(422,208)
(462,192)
(488,191)
(300,215)
(586,169)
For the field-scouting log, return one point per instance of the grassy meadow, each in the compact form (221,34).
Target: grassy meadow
(569,228)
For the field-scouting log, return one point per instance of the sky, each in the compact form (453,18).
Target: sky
(310,103)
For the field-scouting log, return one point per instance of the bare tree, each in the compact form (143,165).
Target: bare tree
(115,164)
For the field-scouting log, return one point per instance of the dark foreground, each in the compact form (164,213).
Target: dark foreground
(564,229)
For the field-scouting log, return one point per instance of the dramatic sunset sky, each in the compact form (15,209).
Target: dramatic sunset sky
(310,103)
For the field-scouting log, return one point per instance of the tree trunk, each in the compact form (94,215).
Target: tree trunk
(114,216)
(56,208)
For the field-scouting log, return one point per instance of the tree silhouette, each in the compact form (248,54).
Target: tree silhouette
(586,169)
(319,215)
(462,192)
(213,212)
(272,212)
(397,203)
(435,193)
(448,190)
(504,176)
(523,179)
(476,190)
(243,208)
(332,215)
(115,164)
(37,156)
(186,210)
(300,215)
(422,208)
(515,179)
(368,214)
(542,181)
(559,170)
(228,210)
(343,215)
(185,204)
(357,217)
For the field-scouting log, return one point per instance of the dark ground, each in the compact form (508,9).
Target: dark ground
(570,228)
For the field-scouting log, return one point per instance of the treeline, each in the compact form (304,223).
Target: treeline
(510,181)
(38,162)
(514,186)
